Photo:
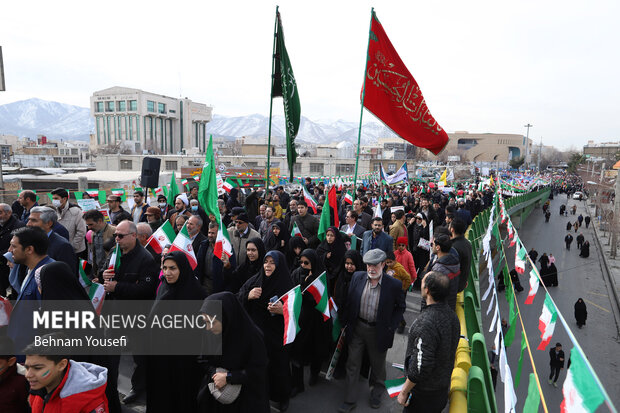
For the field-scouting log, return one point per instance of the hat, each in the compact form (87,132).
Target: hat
(402,240)
(154,211)
(237,211)
(243,217)
(374,257)
(183,197)
(419,216)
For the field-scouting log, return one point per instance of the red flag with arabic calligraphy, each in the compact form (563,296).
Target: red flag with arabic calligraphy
(394,96)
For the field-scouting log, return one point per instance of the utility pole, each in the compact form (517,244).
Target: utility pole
(614,233)
(527,141)
(539,152)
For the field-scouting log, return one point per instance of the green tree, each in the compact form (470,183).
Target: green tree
(515,163)
(574,160)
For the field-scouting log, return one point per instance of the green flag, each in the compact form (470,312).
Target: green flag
(207,188)
(174,190)
(283,84)
(533,396)
(520,366)
(510,334)
(325,221)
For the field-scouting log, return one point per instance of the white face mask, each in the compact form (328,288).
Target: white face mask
(162,204)
(56,203)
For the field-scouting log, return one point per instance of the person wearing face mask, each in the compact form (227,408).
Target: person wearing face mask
(162,203)
(70,217)
(178,375)
(311,343)
(272,282)
(374,307)
(197,210)
(8,223)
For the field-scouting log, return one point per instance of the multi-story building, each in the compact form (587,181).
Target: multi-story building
(136,121)
(606,150)
(488,147)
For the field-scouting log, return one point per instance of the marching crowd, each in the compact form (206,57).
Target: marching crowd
(387,244)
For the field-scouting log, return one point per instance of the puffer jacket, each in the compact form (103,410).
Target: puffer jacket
(70,217)
(82,390)
(451,266)
(431,348)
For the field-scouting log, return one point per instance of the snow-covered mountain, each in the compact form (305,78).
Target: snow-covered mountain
(55,120)
(34,117)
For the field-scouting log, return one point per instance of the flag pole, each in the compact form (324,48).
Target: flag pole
(275,38)
(359,133)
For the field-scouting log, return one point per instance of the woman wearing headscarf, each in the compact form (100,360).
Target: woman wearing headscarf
(352,262)
(331,254)
(244,356)
(581,313)
(57,283)
(277,238)
(172,381)
(293,251)
(585,250)
(257,296)
(311,345)
(255,254)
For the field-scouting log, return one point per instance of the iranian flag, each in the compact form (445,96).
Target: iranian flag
(520,258)
(295,232)
(514,239)
(208,196)
(115,259)
(581,391)
(511,232)
(158,191)
(183,243)
(333,312)
(534,284)
(395,386)
(118,192)
(184,182)
(546,322)
(318,291)
(227,186)
(160,238)
(309,199)
(5,311)
(93,193)
(348,198)
(292,308)
(95,291)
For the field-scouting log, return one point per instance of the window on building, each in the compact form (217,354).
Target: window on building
(391,167)
(121,105)
(74,151)
(316,168)
(275,164)
(98,106)
(465,144)
(297,168)
(161,108)
(344,168)
(171,165)
(133,105)
(150,106)
(126,165)
(251,164)
(109,106)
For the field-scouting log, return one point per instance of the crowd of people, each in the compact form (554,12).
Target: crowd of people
(388,242)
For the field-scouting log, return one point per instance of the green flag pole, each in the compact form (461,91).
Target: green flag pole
(359,133)
(275,38)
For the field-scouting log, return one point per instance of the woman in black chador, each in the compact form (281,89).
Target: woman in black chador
(581,313)
(172,381)
(585,250)
(255,254)
(331,254)
(311,345)
(243,356)
(271,283)
(277,237)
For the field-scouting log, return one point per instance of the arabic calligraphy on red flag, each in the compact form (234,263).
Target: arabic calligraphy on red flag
(394,96)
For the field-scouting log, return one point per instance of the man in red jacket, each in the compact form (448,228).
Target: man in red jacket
(59,385)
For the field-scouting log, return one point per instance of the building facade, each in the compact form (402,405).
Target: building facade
(606,150)
(488,147)
(136,121)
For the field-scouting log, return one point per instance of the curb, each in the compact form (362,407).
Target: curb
(609,279)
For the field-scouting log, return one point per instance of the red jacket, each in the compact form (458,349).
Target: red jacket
(406,260)
(82,390)
(13,391)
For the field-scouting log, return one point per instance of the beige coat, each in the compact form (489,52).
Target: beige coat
(70,217)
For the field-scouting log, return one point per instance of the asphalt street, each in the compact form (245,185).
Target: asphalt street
(577,277)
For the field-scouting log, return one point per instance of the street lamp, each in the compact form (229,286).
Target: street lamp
(527,139)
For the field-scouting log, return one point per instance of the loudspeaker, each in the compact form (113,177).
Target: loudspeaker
(150,172)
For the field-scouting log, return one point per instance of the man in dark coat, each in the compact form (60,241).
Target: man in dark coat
(463,247)
(8,223)
(376,238)
(580,240)
(568,239)
(556,361)
(587,221)
(374,307)
(308,224)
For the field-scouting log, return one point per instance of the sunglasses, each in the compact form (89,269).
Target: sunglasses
(120,236)
(304,262)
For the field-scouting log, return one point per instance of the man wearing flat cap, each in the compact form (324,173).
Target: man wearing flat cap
(373,309)
(240,235)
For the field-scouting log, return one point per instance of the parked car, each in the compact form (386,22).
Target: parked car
(579,195)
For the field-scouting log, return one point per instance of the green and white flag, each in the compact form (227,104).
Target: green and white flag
(580,390)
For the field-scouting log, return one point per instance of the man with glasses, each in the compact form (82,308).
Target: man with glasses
(352,227)
(135,279)
(117,213)
(373,310)
(59,248)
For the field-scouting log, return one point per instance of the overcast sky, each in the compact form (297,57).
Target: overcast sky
(483,66)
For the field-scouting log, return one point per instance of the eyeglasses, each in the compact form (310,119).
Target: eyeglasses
(304,262)
(120,236)
(112,200)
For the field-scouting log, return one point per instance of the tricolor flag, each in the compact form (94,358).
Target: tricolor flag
(5,311)
(158,191)
(95,291)
(184,182)
(546,322)
(394,387)
(291,302)
(162,237)
(580,390)
(514,239)
(520,258)
(118,192)
(348,198)
(227,186)
(534,284)
(333,312)
(183,243)
(93,193)
(295,232)
(115,259)
(318,291)
(309,199)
